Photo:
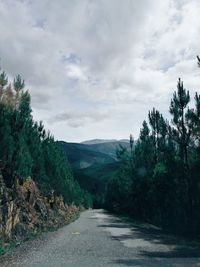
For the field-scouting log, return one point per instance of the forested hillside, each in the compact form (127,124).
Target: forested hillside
(93,166)
(32,166)
(159,180)
(27,149)
(82,156)
(108,147)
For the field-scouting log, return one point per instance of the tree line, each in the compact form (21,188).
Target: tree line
(27,149)
(159,181)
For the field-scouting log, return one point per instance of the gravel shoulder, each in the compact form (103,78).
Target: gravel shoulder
(100,239)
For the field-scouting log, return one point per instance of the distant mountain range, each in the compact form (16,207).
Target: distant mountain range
(108,148)
(82,156)
(102,141)
(86,154)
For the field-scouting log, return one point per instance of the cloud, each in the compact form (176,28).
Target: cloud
(82,57)
(76,119)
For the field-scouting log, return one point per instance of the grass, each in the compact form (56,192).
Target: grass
(8,247)
(56,227)
(2,251)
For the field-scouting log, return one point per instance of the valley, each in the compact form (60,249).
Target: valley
(93,164)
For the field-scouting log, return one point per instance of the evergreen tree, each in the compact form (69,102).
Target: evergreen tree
(163,169)
(181,130)
(27,150)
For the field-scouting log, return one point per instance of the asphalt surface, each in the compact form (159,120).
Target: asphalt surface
(100,239)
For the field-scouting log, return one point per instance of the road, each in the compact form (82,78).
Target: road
(98,239)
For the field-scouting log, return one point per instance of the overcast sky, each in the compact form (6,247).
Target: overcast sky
(95,67)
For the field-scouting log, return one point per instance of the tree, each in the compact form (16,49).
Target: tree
(181,130)
(198,60)
(18,83)
(163,172)
(158,133)
(26,149)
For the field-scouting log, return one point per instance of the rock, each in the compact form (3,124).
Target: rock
(23,208)
(19,231)
(41,208)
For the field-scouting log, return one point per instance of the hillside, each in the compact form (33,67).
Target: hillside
(82,156)
(95,178)
(93,166)
(97,141)
(109,147)
(102,141)
(37,187)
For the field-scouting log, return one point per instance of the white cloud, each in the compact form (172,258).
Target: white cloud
(84,58)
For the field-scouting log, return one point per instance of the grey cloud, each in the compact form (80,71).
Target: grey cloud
(40,100)
(77,119)
(76,55)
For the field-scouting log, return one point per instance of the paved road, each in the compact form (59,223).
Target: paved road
(99,239)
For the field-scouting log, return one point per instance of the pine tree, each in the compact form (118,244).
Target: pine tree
(181,130)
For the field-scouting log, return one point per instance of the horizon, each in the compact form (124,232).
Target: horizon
(100,140)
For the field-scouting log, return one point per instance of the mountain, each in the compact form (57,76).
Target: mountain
(91,167)
(94,163)
(101,141)
(81,156)
(108,148)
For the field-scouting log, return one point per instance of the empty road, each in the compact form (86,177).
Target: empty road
(100,239)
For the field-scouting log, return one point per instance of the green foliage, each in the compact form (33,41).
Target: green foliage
(3,79)
(182,129)
(94,179)
(93,166)
(160,181)
(2,251)
(27,150)
(18,83)
(159,170)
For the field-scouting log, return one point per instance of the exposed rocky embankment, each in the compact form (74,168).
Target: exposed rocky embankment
(24,211)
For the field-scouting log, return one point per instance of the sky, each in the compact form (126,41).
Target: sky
(94,68)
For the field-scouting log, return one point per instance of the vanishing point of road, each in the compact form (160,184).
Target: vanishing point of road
(98,239)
